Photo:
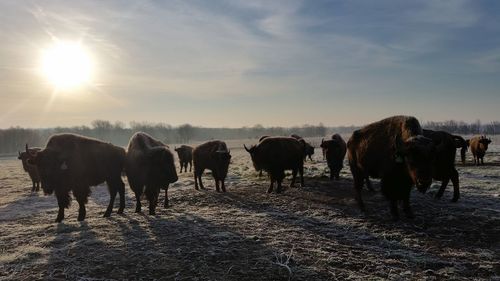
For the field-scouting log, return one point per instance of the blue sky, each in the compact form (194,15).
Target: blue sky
(241,63)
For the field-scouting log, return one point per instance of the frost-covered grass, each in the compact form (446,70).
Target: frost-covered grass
(310,233)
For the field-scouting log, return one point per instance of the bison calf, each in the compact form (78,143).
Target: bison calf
(149,164)
(478,147)
(74,163)
(185,153)
(308,148)
(215,156)
(395,151)
(277,154)
(334,150)
(32,170)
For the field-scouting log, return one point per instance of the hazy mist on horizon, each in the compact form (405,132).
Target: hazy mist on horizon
(240,63)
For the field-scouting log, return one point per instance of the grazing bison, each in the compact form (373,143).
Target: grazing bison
(308,150)
(335,150)
(185,153)
(32,170)
(463,145)
(215,156)
(277,154)
(395,151)
(478,147)
(75,163)
(149,164)
(443,166)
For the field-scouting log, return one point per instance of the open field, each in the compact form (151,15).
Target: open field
(311,233)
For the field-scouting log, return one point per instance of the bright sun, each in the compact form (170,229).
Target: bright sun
(66,65)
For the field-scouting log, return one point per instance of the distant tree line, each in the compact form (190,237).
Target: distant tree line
(14,139)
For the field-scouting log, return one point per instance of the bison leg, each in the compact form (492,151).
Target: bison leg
(301,173)
(138,205)
(165,205)
(294,176)
(223,186)
(199,180)
(271,186)
(358,185)
(112,193)
(63,201)
(190,166)
(369,184)
(37,186)
(482,161)
(444,184)
(456,188)
(195,179)
(181,168)
(81,194)
(394,209)
(152,195)
(278,183)
(407,208)
(216,178)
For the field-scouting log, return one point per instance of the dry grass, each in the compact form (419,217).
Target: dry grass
(310,233)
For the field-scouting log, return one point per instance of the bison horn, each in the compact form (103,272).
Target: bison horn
(248,150)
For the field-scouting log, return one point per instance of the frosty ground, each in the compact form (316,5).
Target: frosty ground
(311,233)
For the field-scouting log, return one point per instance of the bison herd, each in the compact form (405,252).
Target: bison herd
(395,150)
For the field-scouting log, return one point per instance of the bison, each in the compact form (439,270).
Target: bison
(185,153)
(308,150)
(74,163)
(478,147)
(443,166)
(215,156)
(149,167)
(395,151)
(32,170)
(335,150)
(277,154)
(463,145)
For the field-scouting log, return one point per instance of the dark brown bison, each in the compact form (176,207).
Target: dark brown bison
(443,166)
(308,148)
(215,156)
(149,168)
(478,147)
(463,145)
(395,151)
(32,170)
(185,154)
(335,150)
(277,154)
(75,163)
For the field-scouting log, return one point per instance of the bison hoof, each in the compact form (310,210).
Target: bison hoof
(152,213)
(58,220)
(81,218)
(120,211)
(166,205)
(107,214)
(454,200)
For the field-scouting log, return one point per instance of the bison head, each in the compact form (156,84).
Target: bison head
(484,142)
(52,167)
(162,165)
(418,154)
(255,156)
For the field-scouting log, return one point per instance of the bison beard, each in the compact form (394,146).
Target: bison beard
(395,151)
(149,164)
(215,156)
(74,163)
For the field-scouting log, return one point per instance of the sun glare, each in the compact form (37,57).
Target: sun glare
(66,65)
